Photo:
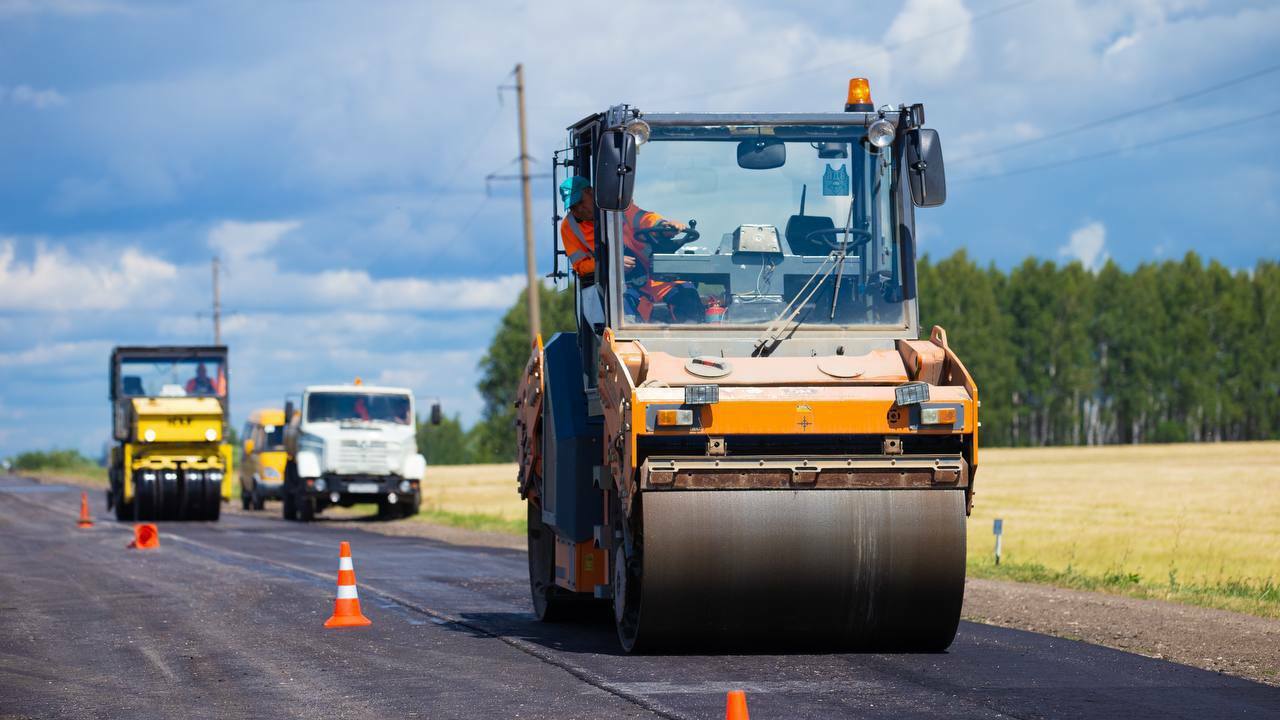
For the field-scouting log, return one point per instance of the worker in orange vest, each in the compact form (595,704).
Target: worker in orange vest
(642,230)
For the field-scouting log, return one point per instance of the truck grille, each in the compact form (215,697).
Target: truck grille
(362,456)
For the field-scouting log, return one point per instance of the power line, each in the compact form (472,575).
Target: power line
(1126,114)
(1113,151)
(845,62)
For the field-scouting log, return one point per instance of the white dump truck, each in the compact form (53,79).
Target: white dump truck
(351,444)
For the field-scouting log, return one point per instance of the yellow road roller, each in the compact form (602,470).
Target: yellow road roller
(169,406)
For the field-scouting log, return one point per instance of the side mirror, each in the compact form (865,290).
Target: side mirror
(762,154)
(248,446)
(927,175)
(615,170)
(288,412)
(436,415)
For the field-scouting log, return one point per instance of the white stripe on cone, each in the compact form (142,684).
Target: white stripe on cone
(347,592)
(345,564)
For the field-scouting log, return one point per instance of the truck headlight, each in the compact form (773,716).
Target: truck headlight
(321,485)
(405,486)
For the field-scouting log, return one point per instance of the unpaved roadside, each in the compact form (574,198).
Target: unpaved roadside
(1216,640)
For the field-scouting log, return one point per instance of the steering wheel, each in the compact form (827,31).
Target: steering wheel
(665,238)
(828,237)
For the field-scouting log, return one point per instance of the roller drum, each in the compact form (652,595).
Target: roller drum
(846,569)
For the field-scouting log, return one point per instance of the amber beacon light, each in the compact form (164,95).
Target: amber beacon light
(859,99)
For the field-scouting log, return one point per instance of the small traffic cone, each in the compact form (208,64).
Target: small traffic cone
(145,537)
(736,706)
(85,520)
(346,609)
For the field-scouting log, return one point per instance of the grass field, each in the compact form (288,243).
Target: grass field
(1191,523)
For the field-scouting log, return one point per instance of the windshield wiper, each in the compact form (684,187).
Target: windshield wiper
(772,336)
(844,252)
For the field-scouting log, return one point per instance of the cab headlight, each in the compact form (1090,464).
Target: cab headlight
(405,486)
(320,485)
(149,435)
(880,133)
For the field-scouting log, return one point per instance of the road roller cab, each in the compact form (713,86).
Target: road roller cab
(262,464)
(746,441)
(169,421)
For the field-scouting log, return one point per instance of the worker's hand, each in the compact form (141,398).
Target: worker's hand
(628,262)
(676,226)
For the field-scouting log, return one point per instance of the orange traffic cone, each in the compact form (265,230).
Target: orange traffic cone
(85,520)
(145,537)
(346,609)
(736,706)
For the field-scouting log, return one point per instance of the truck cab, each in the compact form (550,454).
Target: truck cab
(264,457)
(350,444)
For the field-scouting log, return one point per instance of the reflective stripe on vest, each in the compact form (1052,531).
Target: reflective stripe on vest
(577,256)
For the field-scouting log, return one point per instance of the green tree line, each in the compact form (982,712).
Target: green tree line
(1168,352)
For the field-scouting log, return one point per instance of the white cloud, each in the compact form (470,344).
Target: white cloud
(936,54)
(239,241)
(31,97)
(56,281)
(1088,245)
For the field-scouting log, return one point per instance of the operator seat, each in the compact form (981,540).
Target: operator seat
(798,229)
(132,386)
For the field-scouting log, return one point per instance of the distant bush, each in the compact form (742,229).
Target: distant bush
(52,460)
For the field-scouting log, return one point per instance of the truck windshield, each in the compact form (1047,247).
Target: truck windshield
(173,377)
(787,221)
(273,436)
(358,407)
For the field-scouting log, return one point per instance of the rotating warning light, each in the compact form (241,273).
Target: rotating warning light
(859,99)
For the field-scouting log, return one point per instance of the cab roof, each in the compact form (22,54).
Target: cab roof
(267,416)
(370,389)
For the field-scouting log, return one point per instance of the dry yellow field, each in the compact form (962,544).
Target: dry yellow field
(1196,523)
(1169,516)
(473,490)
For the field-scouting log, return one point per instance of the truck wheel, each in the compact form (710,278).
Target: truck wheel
(245,501)
(387,511)
(306,509)
(258,501)
(411,507)
(124,511)
(290,507)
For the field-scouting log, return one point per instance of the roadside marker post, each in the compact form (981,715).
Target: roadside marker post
(997,528)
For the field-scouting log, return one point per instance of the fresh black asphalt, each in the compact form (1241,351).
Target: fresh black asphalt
(225,620)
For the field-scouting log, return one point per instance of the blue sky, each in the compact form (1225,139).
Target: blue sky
(334,154)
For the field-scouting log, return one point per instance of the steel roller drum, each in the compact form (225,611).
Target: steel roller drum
(836,569)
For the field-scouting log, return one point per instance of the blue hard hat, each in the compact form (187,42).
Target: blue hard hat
(571,190)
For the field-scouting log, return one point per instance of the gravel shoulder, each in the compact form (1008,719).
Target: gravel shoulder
(1216,640)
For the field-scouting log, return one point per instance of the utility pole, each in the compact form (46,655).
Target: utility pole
(217,306)
(531,269)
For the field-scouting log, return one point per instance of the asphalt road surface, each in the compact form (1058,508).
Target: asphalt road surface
(225,620)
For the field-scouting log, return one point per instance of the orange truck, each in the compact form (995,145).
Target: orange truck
(747,442)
